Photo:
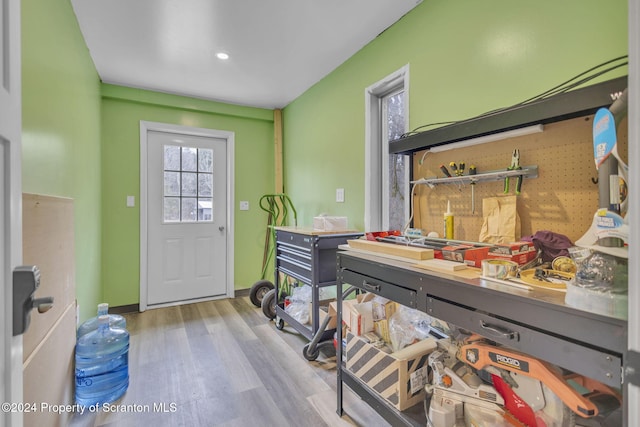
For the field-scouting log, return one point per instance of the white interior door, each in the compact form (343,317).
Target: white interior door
(187,216)
(10,209)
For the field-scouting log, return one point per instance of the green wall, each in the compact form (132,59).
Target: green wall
(61,129)
(81,139)
(465,57)
(122,111)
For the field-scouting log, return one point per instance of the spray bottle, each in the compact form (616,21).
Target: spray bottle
(448,222)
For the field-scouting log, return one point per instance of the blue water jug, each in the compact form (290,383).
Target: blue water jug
(115,321)
(102,364)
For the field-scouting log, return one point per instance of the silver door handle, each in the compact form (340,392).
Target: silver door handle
(221,228)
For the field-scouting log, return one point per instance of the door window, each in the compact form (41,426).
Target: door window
(188,184)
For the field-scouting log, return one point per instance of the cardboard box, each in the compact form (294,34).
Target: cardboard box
(511,248)
(357,313)
(398,377)
(381,327)
(470,255)
(361,317)
(325,309)
(519,258)
(383,308)
(330,223)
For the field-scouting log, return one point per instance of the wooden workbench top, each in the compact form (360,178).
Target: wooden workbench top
(313,232)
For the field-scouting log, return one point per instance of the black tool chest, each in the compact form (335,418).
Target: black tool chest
(534,322)
(308,256)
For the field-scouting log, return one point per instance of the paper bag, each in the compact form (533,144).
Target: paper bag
(501,221)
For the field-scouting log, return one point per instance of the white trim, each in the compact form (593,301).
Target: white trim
(373,218)
(11,389)
(145,127)
(633,122)
(187,301)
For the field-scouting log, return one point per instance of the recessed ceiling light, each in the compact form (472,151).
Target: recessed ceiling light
(222,55)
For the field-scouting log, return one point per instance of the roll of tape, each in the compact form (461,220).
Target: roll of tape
(499,269)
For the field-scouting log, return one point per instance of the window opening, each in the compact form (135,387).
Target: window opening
(386,175)
(188,184)
(393,121)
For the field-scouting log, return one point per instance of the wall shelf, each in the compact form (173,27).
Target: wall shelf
(525,172)
(572,104)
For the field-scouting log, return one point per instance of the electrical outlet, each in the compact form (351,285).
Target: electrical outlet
(340,195)
(131,201)
(244,205)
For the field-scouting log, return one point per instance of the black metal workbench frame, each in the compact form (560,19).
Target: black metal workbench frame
(536,322)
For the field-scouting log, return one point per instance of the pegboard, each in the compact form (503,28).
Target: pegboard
(562,198)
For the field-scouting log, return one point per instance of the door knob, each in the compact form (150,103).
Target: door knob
(221,228)
(26,279)
(43,304)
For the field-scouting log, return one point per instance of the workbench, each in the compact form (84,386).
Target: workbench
(537,322)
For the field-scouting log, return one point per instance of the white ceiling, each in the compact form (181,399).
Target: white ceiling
(277,48)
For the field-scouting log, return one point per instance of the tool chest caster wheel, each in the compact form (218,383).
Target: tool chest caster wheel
(268,304)
(258,291)
(310,356)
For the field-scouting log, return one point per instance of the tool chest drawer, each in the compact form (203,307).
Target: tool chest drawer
(303,242)
(295,262)
(579,357)
(404,296)
(310,259)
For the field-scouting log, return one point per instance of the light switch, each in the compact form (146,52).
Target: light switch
(244,205)
(340,195)
(131,201)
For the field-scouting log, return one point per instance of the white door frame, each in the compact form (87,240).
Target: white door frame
(145,127)
(10,205)
(374,214)
(633,391)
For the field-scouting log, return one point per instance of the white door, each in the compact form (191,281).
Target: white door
(10,210)
(187,215)
(633,120)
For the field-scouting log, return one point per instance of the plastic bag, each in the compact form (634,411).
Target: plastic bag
(299,304)
(406,326)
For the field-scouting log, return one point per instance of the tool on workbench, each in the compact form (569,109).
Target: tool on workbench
(473,171)
(515,165)
(458,169)
(476,382)
(444,169)
(535,392)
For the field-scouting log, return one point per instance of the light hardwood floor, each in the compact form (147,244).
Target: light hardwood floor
(222,363)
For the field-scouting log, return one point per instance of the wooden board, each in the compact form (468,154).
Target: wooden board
(48,373)
(442,264)
(346,247)
(467,273)
(277,150)
(403,251)
(313,232)
(48,242)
